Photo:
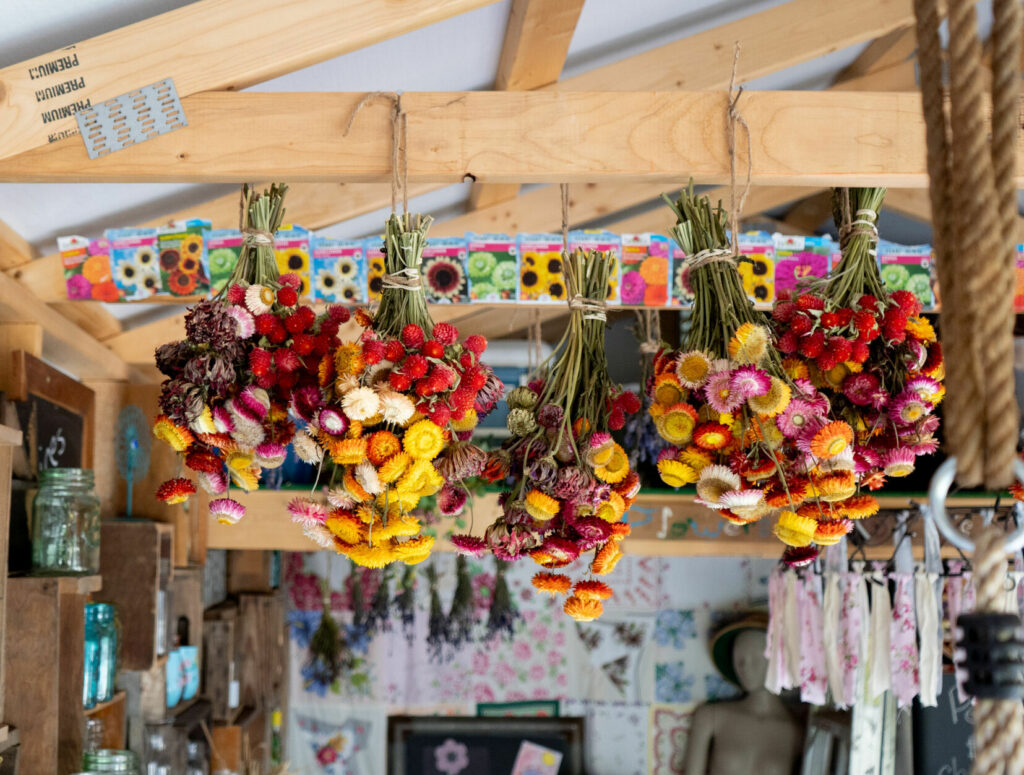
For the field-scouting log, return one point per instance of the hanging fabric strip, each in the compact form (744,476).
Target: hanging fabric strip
(959,600)
(929,635)
(791,632)
(853,635)
(903,642)
(775,678)
(813,678)
(880,678)
(830,634)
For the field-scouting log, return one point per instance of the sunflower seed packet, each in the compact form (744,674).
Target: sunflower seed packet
(134,262)
(644,270)
(540,268)
(682,290)
(223,246)
(444,271)
(339,270)
(757,270)
(798,258)
(87,273)
(606,242)
(291,249)
(182,250)
(373,250)
(493,267)
(1018,286)
(908,268)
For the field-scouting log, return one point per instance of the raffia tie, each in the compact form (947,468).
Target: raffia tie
(862,223)
(256,237)
(592,309)
(407,279)
(710,256)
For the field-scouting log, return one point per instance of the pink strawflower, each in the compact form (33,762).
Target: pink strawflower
(222,420)
(795,418)
(925,387)
(592,530)
(600,439)
(667,453)
(749,381)
(737,499)
(270,455)
(306,401)
(244,321)
(719,393)
(214,482)
(898,462)
(865,459)
(561,549)
(861,388)
(451,500)
(928,445)
(469,545)
(908,407)
(228,511)
(253,403)
(305,512)
(332,422)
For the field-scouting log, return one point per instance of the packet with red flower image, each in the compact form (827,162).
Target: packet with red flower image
(182,258)
(444,271)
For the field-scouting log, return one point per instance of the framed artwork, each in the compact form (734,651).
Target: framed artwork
(432,745)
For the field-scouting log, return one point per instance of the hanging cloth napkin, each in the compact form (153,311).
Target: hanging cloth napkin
(791,631)
(928,596)
(879,675)
(959,600)
(853,633)
(776,679)
(813,679)
(906,681)
(833,602)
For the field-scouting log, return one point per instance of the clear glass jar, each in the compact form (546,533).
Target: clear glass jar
(107,671)
(66,524)
(91,671)
(110,760)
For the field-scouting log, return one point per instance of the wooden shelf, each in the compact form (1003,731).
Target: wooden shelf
(9,437)
(664,523)
(112,714)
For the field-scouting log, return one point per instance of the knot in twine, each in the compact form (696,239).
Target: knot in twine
(863,223)
(257,237)
(650,347)
(592,310)
(710,256)
(407,279)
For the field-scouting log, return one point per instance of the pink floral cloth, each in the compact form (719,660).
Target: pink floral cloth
(852,642)
(778,676)
(813,677)
(959,600)
(903,642)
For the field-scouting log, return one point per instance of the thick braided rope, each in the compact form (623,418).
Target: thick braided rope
(998,724)
(987,338)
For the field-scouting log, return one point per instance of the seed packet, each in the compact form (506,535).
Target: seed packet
(444,271)
(909,268)
(540,268)
(493,267)
(223,247)
(682,290)
(758,270)
(606,242)
(134,263)
(1018,292)
(291,249)
(182,258)
(645,270)
(87,273)
(373,250)
(339,270)
(799,257)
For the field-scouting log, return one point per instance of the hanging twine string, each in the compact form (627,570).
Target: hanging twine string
(648,329)
(250,235)
(399,143)
(736,120)
(564,189)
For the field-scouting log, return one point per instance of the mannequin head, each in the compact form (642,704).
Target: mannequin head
(748,659)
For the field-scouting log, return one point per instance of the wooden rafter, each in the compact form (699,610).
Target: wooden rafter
(204,46)
(537,40)
(799,139)
(14,249)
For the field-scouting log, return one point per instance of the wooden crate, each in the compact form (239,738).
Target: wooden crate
(44,666)
(187,603)
(112,715)
(239,746)
(250,571)
(261,648)
(219,662)
(134,562)
(9,440)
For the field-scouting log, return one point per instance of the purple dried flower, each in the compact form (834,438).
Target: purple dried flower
(543,472)
(550,416)
(172,358)
(451,500)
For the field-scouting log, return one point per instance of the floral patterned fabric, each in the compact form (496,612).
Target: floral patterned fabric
(813,678)
(903,641)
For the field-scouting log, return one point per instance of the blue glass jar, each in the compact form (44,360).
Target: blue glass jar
(66,524)
(90,675)
(107,662)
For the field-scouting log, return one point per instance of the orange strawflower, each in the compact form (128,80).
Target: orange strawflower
(606,558)
(583,610)
(592,590)
(858,507)
(551,583)
(831,440)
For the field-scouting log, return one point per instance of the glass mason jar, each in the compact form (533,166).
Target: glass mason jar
(107,671)
(110,760)
(66,524)
(91,671)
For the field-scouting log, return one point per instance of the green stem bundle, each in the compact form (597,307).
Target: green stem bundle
(855,211)
(261,214)
(405,236)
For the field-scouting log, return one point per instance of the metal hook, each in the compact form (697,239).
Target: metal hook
(939,489)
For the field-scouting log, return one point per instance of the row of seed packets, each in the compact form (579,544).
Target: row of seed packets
(189,259)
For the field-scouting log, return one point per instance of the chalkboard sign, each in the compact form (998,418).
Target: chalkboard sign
(418,745)
(943,735)
(55,414)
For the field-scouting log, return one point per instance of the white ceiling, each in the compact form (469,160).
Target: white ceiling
(457,54)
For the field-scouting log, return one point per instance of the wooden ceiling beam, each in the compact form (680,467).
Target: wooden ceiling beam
(203,46)
(537,40)
(799,139)
(14,249)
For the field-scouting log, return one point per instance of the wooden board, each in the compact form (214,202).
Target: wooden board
(249,571)
(266,39)
(799,139)
(9,439)
(219,660)
(112,715)
(187,603)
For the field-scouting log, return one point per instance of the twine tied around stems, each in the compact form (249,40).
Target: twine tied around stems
(648,328)
(861,222)
(399,143)
(711,256)
(407,279)
(252,236)
(735,119)
(592,309)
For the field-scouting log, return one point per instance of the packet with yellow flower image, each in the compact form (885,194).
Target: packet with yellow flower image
(87,269)
(644,270)
(758,270)
(223,247)
(373,250)
(541,277)
(182,255)
(605,242)
(338,270)
(291,250)
(443,271)
(492,264)
(134,262)
(1018,292)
